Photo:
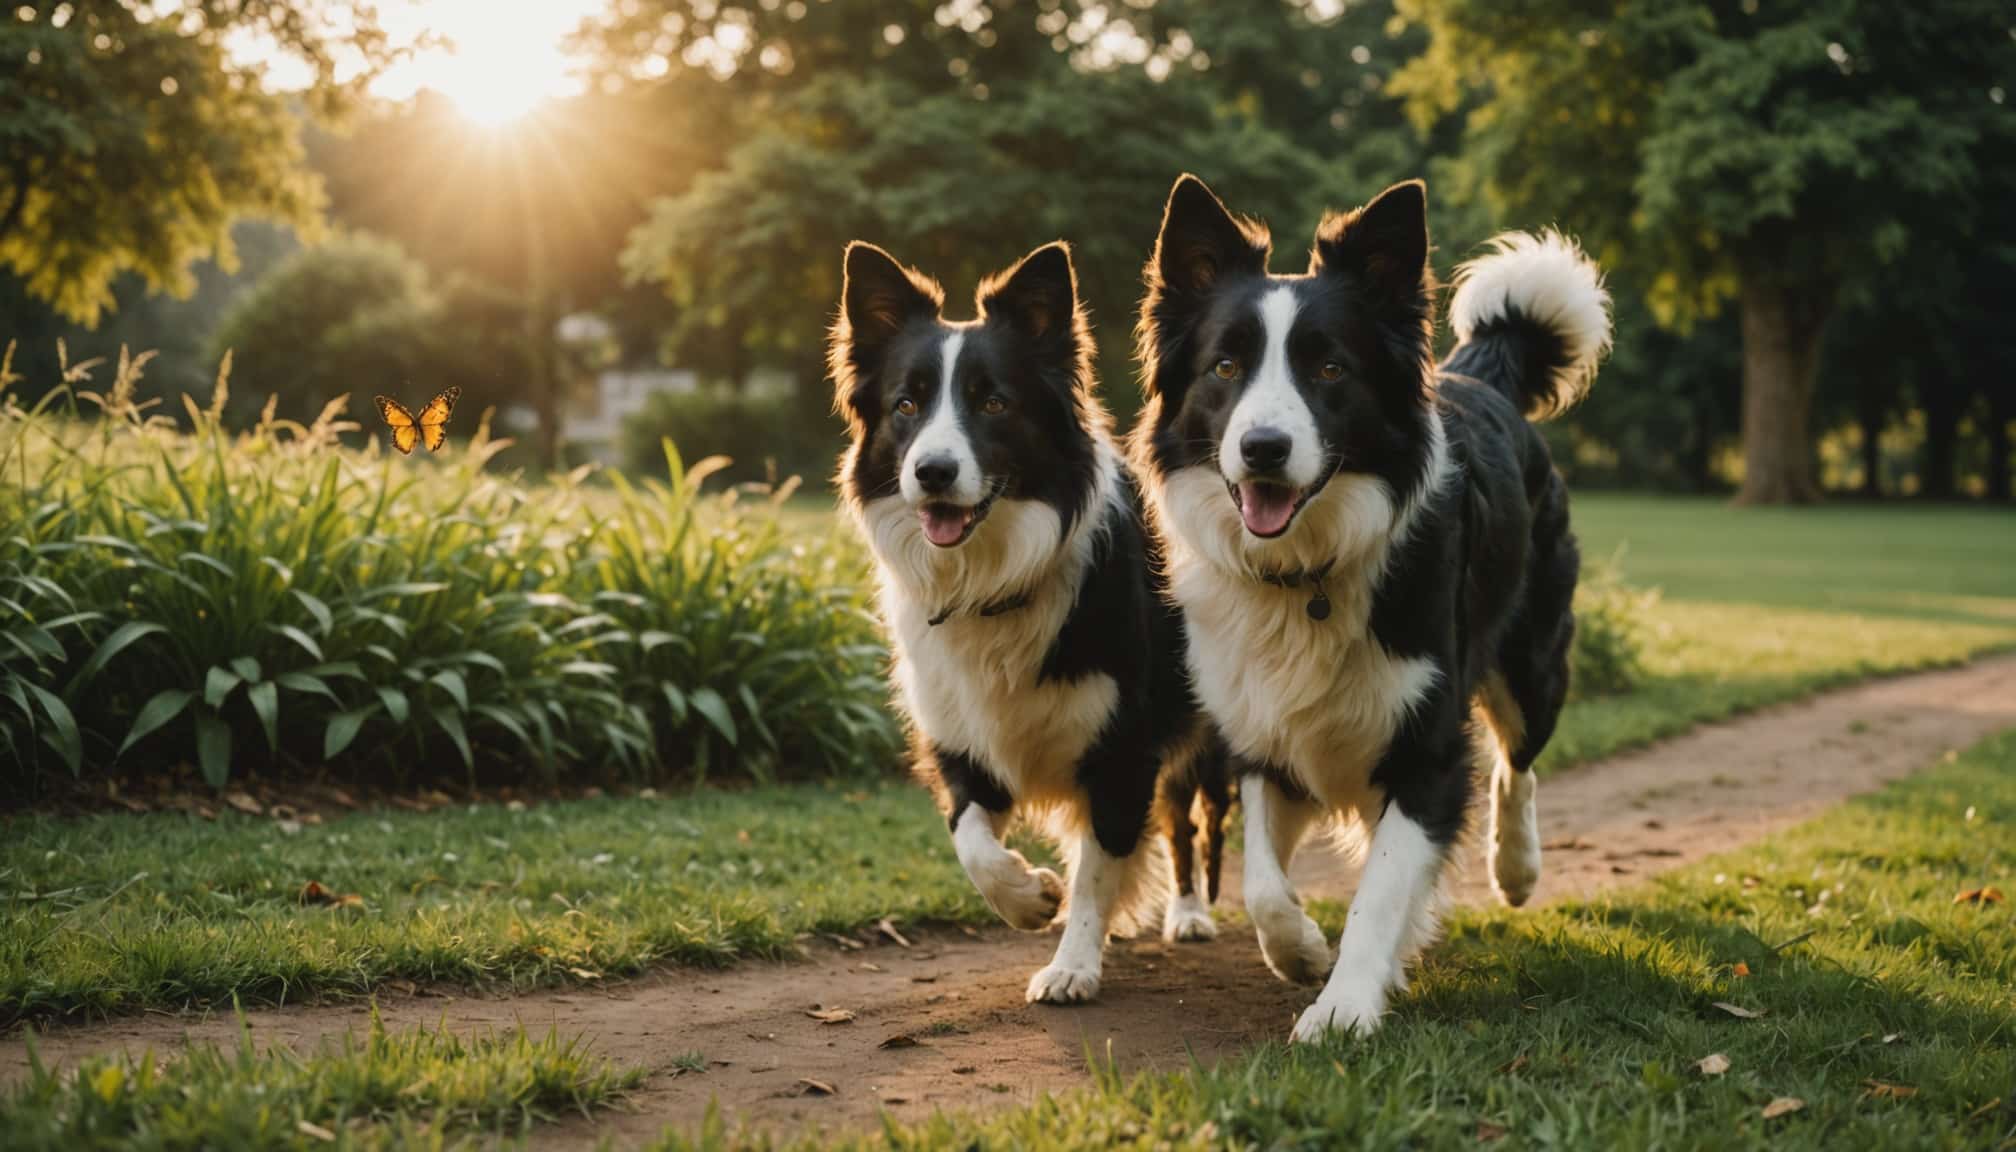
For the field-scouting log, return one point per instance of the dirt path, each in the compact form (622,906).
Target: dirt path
(942,1024)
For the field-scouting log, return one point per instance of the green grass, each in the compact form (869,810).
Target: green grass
(114,913)
(1761,605)
(418,1089)
(1581,1026)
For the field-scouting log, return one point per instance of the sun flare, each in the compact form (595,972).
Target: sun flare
(494,69)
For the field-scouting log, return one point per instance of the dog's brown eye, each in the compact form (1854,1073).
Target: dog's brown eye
(1333,371)
(906,407)
(994,406)
(1226,368)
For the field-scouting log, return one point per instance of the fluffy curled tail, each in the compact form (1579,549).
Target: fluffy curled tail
(1532,319)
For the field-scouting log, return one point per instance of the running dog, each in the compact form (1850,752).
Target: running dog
(1371,552)
(1039,663)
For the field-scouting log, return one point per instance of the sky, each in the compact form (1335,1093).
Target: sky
(503,58)
(495,60)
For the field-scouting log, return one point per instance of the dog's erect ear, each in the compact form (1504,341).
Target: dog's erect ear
(878,297)
(1386,242)
(1201,243)
(1039,295)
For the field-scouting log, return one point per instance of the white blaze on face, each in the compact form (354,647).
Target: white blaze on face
(1272,402)
(942,442)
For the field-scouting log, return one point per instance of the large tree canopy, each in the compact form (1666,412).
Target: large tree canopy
(1770,150)
(131,137)
(981,131)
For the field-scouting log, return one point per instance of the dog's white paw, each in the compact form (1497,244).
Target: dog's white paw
(1027,898)
(1356,1008)
(1292,943)
(1188,918)
(1062,984)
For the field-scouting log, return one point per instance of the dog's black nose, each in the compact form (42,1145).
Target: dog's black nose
(1265,449)
(936,473)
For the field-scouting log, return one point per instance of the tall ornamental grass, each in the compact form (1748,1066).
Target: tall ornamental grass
(275,603)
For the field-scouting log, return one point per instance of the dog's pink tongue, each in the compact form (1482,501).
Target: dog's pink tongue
(944,524)
(1266,507)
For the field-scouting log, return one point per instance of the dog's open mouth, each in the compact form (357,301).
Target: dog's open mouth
(948,525)
(1267,508)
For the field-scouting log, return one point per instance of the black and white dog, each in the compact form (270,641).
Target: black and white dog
(1040,667)
(1372,555)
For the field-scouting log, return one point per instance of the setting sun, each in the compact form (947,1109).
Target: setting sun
(494,68)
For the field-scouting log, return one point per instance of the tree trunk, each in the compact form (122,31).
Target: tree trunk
(1942,439)
(1782,326)
(2000,412)
(1871,419)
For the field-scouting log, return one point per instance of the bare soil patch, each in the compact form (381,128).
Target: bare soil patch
(941,1023)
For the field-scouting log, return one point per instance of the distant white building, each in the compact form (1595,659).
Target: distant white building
(595,428)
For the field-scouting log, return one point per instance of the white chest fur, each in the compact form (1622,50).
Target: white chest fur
(1321,699)
(974,684)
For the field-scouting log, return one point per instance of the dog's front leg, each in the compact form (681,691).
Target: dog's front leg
(1390,917)
(1026,897)
(1073,974)
(1275,824)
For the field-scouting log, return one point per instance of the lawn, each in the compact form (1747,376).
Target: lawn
(1872,1011)
(115,913)
(1880,1011)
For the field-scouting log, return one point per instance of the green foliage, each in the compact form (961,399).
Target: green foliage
(1611,621)
(274,603)
(130,143)
(381,1090)
(973,142)
(358,316)
(769,439)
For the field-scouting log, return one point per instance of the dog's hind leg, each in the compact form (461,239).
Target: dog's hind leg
(1195,784)
(1275,824)
(1522,697)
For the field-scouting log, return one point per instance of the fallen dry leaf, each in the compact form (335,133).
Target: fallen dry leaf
(888,929)
(1514,1065)
(817,1087)
(1884,1090)
(1892,1037)
(830,1015)
(315,893)
(1783,1106)
(1741,969)
(895,1099)
(585,973)
(244,802)
(847,943)
(969,930)
(899,1041)
(1738,1011)
(968,1070)
(1713,1064)
(315,1130)
(1979,896)
(1488,1132)
(926,978)
(870,966)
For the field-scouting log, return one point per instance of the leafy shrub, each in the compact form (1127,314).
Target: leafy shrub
(766,438)
(275,602)
(359,309)
(1612,625)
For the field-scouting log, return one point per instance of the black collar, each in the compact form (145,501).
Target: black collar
(1319,600)
(992,608)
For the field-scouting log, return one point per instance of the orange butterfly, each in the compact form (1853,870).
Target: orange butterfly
(432,423)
